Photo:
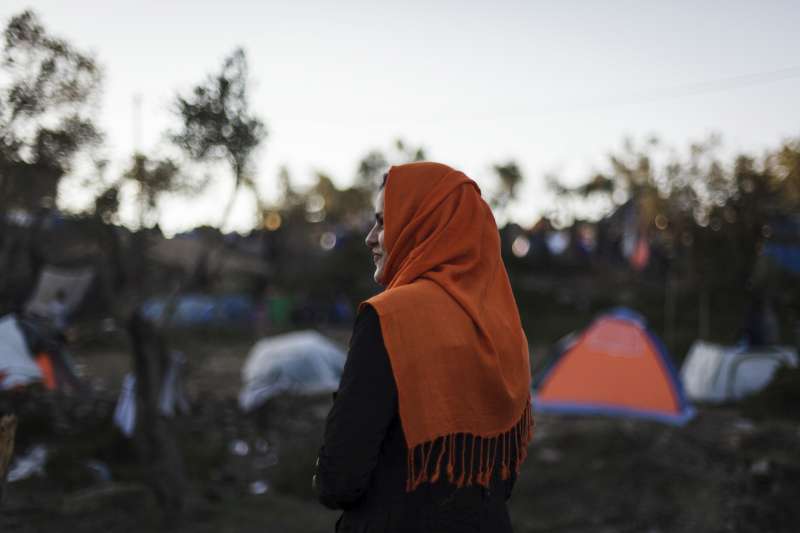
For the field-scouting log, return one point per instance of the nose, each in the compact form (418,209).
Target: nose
(372,237)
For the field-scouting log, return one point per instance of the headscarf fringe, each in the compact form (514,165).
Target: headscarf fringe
(511,446)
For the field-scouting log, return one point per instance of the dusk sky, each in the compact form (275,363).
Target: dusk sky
(553,85)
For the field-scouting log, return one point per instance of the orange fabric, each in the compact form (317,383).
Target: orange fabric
(450,322)
(48,374)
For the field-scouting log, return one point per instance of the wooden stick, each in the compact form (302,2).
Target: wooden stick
(8,428)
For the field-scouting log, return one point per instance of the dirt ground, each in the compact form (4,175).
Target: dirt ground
(720,472)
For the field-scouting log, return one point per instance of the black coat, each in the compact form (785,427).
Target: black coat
(362,463)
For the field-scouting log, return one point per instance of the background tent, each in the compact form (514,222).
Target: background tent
(715,373)
(72,282)
(616,367)
(303,362)
(16,365)
(787,256)
(202,309)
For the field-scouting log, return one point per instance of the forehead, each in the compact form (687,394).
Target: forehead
(378,201)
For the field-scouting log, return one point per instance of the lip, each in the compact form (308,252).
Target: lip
(376,257)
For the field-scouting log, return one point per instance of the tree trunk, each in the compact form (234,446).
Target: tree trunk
(704,314)
(156,437)
(669,311)
(229,208)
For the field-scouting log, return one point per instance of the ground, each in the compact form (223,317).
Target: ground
(723,471)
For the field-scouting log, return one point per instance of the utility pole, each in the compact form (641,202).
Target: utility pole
(137,123)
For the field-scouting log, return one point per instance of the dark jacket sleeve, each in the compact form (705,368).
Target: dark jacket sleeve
(363,409)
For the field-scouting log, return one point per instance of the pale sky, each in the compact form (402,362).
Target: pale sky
(554,85)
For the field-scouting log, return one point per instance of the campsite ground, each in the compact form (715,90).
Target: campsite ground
(721,472)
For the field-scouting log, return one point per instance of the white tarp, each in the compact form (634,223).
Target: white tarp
(715,373)
(172,396)
(72,282)
(302,362)
(16,365)
(125,411)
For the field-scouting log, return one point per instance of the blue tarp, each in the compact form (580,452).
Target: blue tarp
(199,309)
(785,255)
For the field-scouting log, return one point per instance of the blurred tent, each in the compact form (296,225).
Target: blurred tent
(616,366)
(303,362)
(72,283)
(202,309)
(31,352)
(17,367)
(715,373)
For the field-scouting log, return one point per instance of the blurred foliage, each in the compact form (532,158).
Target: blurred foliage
(376,163)
(218,124)
(155,177)
(510,177)
(46,96)
(710,218)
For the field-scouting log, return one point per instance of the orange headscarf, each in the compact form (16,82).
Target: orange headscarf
(451,326)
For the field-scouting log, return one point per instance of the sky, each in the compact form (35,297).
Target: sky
(555,85)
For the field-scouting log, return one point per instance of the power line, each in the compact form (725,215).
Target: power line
(655,95)
(724,84)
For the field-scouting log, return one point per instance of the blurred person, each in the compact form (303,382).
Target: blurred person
(760,323)
(432,417)
(53,343)
(57,312)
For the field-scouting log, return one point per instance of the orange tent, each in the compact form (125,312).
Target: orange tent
(615,367)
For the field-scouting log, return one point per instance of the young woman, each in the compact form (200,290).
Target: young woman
(432,418)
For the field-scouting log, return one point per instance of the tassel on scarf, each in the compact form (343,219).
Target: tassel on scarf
(425,460)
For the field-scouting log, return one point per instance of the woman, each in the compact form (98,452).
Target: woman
(432,418)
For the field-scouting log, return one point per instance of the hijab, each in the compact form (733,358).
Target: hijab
(452,329)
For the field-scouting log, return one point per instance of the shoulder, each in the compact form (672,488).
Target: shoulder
(367,327)
(367,350)
(367,316)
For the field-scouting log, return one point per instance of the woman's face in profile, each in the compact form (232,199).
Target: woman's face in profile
(375,238)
